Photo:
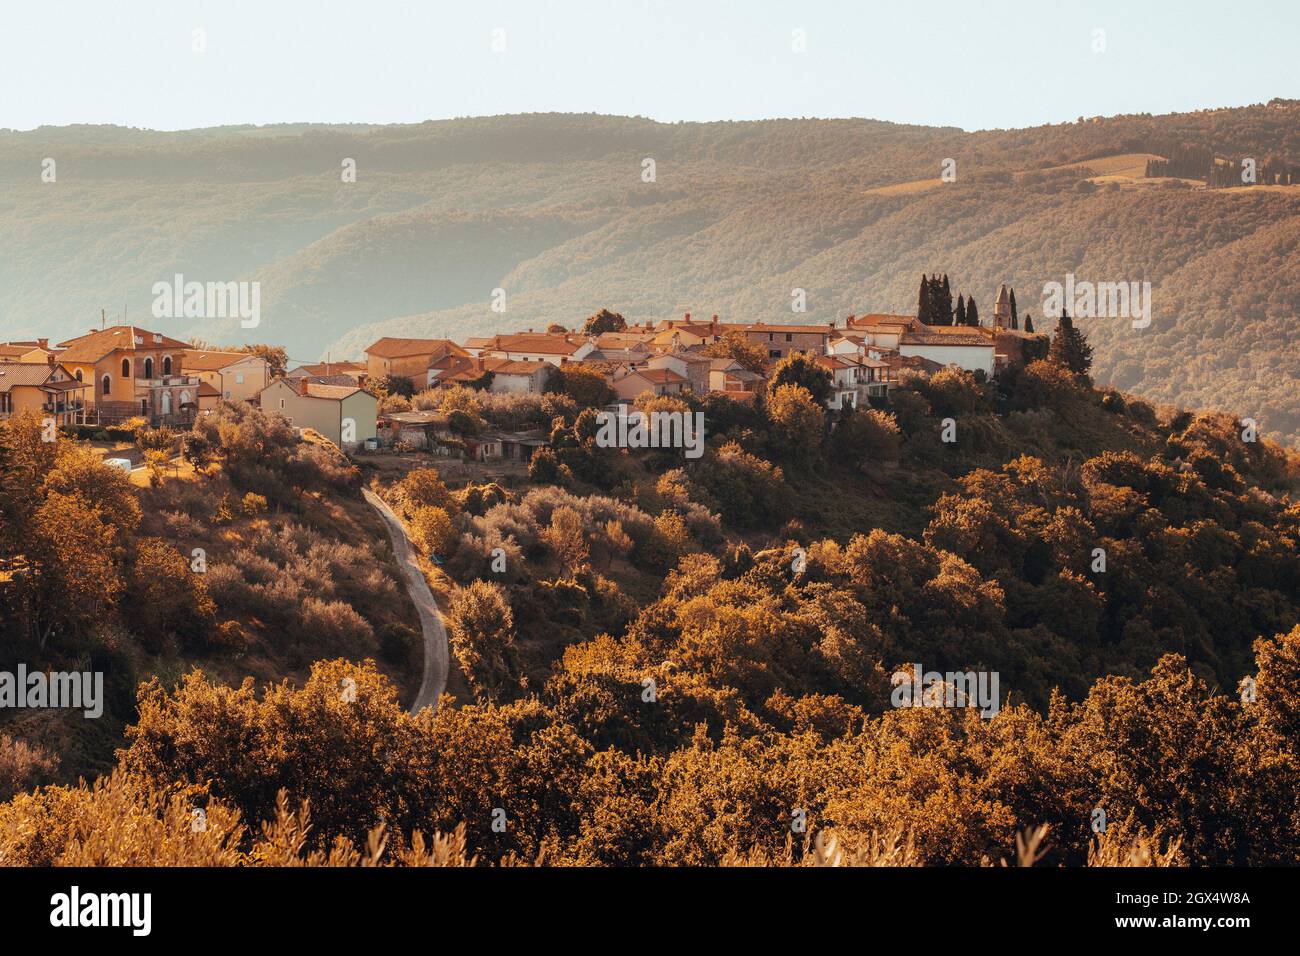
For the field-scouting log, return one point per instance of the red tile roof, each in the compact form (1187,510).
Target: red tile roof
(388,347)
(90,348)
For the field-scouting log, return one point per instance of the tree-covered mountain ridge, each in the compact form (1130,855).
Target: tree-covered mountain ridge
(557,211)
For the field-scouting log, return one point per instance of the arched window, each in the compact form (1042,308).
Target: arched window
(126,368)
(78,374)
(148,367)
(105,386)
(166,403)
(167,365)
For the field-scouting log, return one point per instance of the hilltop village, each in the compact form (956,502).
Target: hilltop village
(126,375)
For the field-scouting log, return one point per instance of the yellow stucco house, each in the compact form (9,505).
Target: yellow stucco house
(132,371)
(236,376)
(344,414)
(46,390)
(408,358)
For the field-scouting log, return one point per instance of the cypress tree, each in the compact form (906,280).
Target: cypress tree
(923,301)
(1070,348)
(960,317)
(944,305)
(1015,319)
(1029,322)
(972,312)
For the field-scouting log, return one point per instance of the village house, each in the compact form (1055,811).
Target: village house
(423,430)
(37,351)
(675,334)
(46,389)
(554,347)
(407,358)
(844,381)
(235,376)
(779,341)
(132,371)
(461,370)
(691,366)
(344,414)
(968,348)
(521,377)
(616,347)
(733,380)
(629,383)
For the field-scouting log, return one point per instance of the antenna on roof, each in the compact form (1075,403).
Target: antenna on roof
(101,320)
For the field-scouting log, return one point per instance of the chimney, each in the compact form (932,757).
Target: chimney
(713,326)
(687,320)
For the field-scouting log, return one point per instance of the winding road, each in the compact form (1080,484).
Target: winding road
(435,635)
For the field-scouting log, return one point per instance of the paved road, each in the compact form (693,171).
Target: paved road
(435,635)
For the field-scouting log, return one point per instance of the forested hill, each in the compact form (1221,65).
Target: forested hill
(555,211)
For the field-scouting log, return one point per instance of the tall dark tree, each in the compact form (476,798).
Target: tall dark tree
(972,312)
(943,303)
(1070,348)
(1029,322)
(959,317)
(1015,318)
(924,302)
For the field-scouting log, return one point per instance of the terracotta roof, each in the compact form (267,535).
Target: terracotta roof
(764,327)
(662,376)
(543,343)
(702,329)
(945,335)
(196,361)
(347,381)
(520,368)
(13,374)
(207,389)
(335,392)
(403,348)
(90,348)
(879,318)
(457,368)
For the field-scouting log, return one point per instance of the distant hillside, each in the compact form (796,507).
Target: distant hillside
(553,209)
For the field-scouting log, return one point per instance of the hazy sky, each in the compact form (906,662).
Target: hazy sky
(974,64)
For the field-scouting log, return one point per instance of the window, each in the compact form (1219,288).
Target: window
(104,385)
(78,374)
(282,403)
(789,337)
(126,368)
(773,353)
(167,364)
(239,378)
(148,367)
(281,400)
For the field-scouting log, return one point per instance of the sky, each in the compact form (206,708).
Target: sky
(977,64)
